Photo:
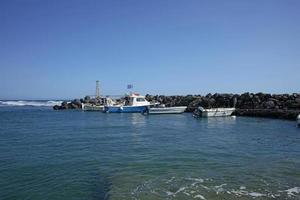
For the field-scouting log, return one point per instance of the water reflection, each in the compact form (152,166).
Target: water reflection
(137,119)
(219,122)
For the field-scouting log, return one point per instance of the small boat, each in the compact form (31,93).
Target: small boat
(134,103)
(97,107)
(166,110)
(298,121)
(92,107)
(213,112)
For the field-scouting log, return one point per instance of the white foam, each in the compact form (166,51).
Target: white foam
(193,186)
(205,187)
(170,193)
(219,188)
(200,180)
(293,191)
(180,190)
(30,103)
(242,188)
(199,196)
(170,180)
(255,194)
(186,193)
(243,192)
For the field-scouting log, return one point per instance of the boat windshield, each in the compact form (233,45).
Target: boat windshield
(140,99)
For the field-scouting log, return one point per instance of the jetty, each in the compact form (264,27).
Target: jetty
(283,106)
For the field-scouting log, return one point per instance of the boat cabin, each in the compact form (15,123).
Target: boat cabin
(135,99)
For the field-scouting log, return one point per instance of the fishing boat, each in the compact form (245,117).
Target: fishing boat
(134,103)
(166,110)
(213,112)
(298,121)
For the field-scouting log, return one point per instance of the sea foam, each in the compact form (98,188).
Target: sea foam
(30,103)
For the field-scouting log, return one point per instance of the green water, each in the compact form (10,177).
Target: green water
(47,154)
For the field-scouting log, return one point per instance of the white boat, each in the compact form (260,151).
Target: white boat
(167,110)
(298,120)
(94,107)
(213,112)
(134,103)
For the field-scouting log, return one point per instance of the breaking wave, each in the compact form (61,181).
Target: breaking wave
(206,188)
(30,103)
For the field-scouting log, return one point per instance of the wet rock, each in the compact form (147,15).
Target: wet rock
(76,103)
(87,99)
(64,105)
(57,107)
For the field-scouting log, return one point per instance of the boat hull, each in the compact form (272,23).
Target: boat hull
(216,112)
(298,121)
(125,109)
(167,110)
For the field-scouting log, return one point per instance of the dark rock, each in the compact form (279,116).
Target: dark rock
(269,104)
(57,107)
(269,113)
(76,103)
(92,101)
(87,99)
(64,105)
(194,104)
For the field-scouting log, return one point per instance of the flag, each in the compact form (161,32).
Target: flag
(129,86)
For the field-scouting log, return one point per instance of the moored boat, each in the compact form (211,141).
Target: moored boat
(97,107)
(298,121)
(92,107)
(167,110)
(134,103)
(213,112)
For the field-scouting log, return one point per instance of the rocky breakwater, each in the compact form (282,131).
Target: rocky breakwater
(77,103)
(285,106)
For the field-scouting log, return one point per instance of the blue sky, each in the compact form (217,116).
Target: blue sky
(59,48)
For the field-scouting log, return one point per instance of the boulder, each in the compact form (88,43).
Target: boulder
(76,103)
(87,99)
(64,105)
(269,104)
(57,107)
(194,105)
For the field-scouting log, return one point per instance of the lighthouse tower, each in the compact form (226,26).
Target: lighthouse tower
(97,90)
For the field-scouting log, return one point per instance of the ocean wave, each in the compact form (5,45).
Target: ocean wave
(30,103)
(200,188)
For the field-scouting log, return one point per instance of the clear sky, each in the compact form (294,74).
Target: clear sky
(59,48)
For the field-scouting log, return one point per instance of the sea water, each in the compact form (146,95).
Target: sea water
(46,154)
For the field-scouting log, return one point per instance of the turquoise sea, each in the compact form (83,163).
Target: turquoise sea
(46,154)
